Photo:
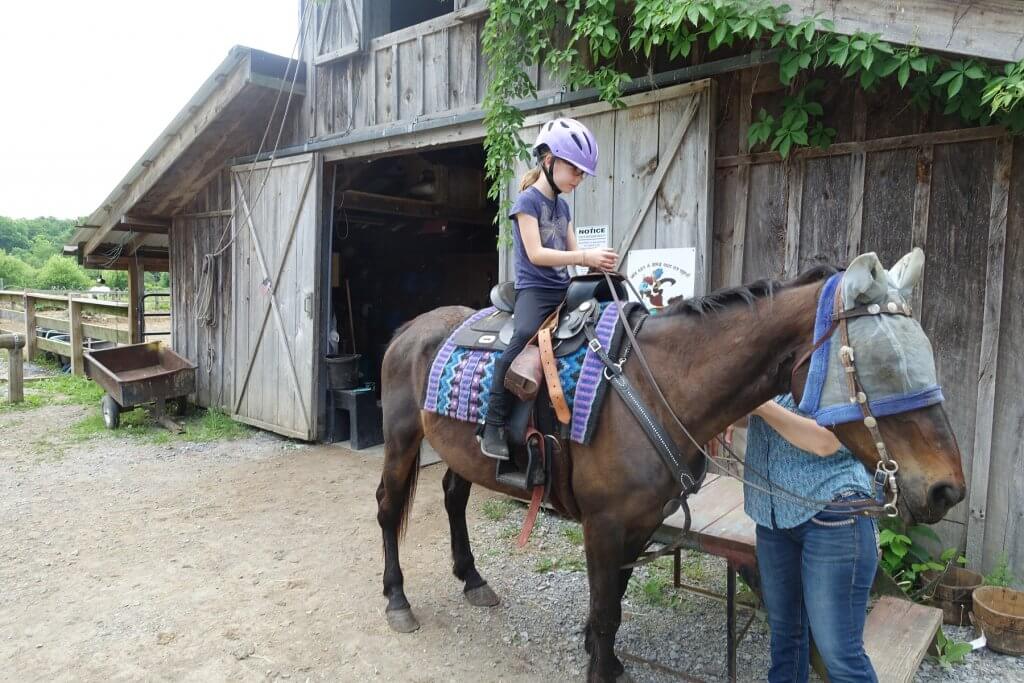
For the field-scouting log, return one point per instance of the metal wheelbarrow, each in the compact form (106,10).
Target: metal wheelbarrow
(138,374)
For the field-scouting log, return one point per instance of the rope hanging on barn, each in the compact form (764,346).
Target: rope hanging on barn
(204,296)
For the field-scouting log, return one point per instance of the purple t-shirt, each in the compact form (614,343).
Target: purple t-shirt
(553,221)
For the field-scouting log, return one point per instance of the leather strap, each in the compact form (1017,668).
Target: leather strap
(550,365)
(538,491)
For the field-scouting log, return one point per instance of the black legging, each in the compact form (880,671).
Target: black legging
(533,306)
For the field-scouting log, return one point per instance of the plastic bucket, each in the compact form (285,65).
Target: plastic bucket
(343,371)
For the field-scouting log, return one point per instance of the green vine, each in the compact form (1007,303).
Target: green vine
(581,40)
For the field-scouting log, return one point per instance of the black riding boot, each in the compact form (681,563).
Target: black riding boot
(494,443)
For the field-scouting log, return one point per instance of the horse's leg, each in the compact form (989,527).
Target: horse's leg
(402,438)
(604,542)
(456,495)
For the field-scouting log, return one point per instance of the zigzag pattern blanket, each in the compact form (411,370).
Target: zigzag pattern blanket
(460,378)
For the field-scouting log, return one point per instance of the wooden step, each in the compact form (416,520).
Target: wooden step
(897,635)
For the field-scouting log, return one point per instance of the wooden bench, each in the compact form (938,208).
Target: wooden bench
(897,632)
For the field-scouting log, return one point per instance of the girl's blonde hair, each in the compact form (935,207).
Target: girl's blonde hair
(531,176)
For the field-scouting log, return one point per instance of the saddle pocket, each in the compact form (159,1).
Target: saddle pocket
(525,375)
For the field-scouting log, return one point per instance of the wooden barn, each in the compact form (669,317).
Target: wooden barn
(372,207)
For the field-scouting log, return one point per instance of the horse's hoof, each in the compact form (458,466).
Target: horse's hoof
(482,596)
(402,620)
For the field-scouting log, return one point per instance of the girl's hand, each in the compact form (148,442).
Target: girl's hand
(600,259)
(713,446)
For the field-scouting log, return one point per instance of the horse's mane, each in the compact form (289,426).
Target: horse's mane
(747,294)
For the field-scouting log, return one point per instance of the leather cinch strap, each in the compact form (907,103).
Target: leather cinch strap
(550,365)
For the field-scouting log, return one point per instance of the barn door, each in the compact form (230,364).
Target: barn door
(275,294)
(654,184)
(341,30)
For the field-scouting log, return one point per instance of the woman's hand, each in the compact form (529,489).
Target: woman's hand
(600,259)
(713,446)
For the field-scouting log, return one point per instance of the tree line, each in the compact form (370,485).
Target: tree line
(30,258)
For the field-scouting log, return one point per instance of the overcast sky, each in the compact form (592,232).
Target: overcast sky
(88,85)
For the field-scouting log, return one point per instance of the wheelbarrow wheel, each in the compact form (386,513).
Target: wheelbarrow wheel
(111,412)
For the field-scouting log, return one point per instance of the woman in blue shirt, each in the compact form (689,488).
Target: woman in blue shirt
(816,564)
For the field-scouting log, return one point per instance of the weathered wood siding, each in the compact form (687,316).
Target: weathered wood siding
(197,232)
(894,179)
(913,181)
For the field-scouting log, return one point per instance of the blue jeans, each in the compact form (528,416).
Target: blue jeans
(816,578)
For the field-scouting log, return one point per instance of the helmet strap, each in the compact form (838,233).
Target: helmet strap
(550,175)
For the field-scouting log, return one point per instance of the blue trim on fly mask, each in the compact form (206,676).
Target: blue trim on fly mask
(887,405)
(818,369)
(817,375)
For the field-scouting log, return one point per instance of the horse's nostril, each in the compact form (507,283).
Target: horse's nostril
(946,495)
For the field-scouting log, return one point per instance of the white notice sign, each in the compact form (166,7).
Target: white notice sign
(660,275)
(590,237)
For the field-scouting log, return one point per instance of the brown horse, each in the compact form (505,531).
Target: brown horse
(716,358)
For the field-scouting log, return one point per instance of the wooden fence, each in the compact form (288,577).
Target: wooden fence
(65,319)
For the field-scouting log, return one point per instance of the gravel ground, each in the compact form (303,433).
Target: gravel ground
(671,630)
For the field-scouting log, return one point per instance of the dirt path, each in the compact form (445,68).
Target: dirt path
(246,560)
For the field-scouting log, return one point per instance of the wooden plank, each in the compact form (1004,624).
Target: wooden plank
(58,347)
(954,288)
(858,164)
(982,28)
(764,253)
(462,65)
(1004,518)
(469,16)
(946,137)
(665,163)
(595,198)
(823,219)
(410,79)
(988,362)
(623,183)
(742,189)
(919,226)
(75,321)
(15,376)
(897,635)
(890,182)
(794,205)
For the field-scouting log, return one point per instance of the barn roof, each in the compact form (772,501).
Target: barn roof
(224,119)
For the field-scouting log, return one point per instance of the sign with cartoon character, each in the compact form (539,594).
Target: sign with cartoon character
(660,275)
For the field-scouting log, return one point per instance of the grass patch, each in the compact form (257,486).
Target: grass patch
(656,589)
(550,564)
(497,509)
(61,390)
(573,534)
(213,425)
(693,569)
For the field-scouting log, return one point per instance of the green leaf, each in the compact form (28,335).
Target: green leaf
(946,77)
(799,137)
(955,85)
(867,58)
(904,75)
(919,64)
(785,146)
(974,72)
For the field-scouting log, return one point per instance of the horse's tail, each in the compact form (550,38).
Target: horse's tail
(410,492)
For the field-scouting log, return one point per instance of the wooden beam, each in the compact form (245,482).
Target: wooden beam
(75,321)
(945,137)
(132,222)
(198,122)
(336,55)
(984,420)
(409,208)
(981,28)
(158,264)
(30,328)
(132,245)
(136,288)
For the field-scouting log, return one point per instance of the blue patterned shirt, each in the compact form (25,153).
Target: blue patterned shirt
(796,471)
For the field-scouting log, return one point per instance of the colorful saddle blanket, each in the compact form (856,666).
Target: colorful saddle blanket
(460,378)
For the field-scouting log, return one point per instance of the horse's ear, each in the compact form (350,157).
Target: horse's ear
(865,282)
(906,273)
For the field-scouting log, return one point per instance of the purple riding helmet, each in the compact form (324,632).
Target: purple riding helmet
(569,140)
